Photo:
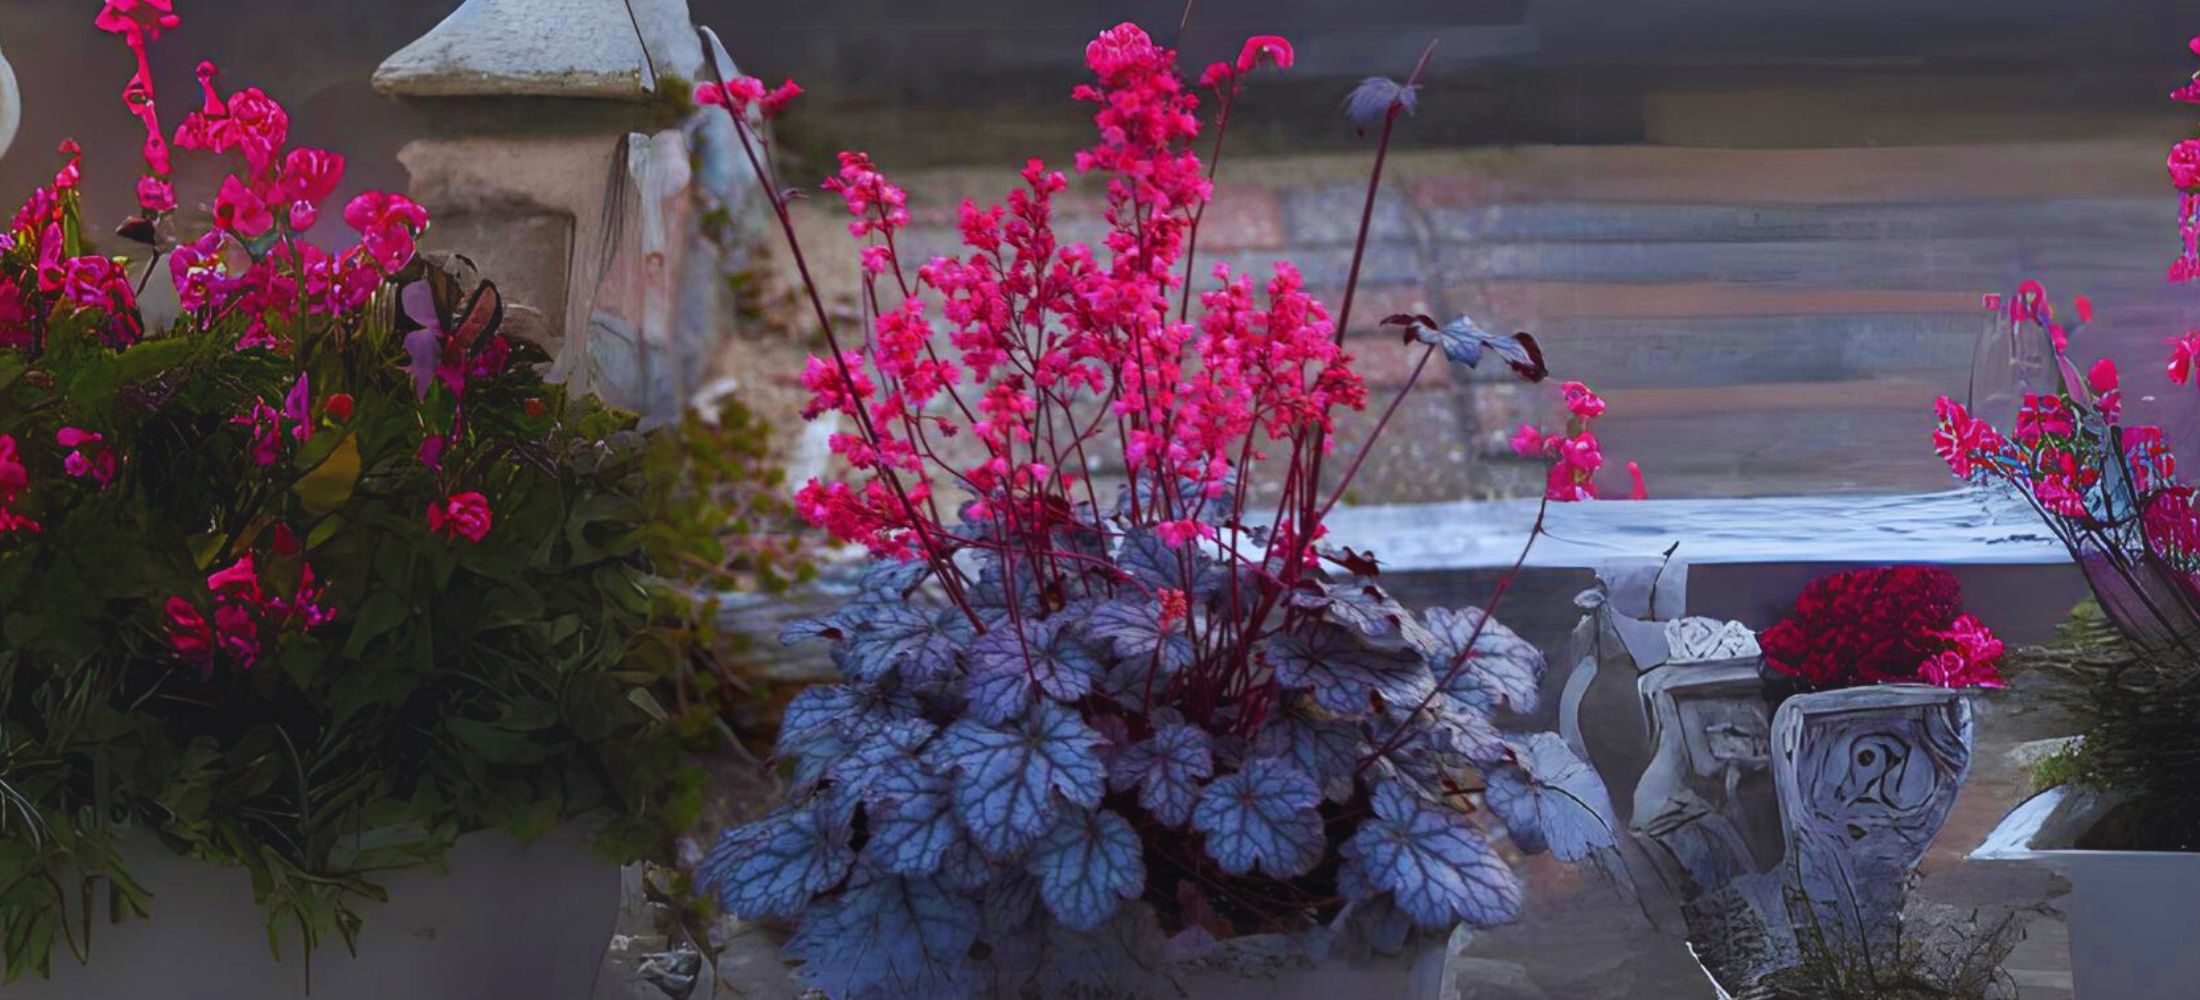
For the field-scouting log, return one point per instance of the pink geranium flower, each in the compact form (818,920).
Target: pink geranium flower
(463,515)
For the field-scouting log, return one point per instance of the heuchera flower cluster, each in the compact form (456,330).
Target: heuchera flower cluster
(1901,624)
(2184,175)
(1093,692)
(1574,454)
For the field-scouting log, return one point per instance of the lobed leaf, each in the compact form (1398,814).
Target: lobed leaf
(1262,817)
(1551,799)
(1503,670)
(1006,663)
(888,937)
(1087,864)
(1007,776)
(1342,672)
(771,868)
(1166,768)
(1326,749)
(1432,859)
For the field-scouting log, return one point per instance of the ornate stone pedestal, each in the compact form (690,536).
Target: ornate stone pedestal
(1866,778)
(1766,832)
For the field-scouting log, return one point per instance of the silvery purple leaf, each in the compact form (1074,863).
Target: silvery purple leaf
(874,753)
(1263,818)
(1372,99)
(1551,799)
(1463,341)
(913,825)
(1087,864)
(1504,669)
(1433,860)
(1326,749)
(893,580)
(1007,662)
(1364,608)
(888,936)
(1132,626)
(1007,776)
(771,868)
(1343,672)
(1166,768)
(880,635)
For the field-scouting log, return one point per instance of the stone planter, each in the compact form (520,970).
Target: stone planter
(2134,916)
(1866,777)
(507,920)
(1808,821)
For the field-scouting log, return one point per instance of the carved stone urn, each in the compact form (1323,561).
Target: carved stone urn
(1865,777)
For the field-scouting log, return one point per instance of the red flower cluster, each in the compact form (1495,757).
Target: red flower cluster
(1876,626)
(14,481)
(247,610)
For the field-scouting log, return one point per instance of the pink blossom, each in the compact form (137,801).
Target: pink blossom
(387,225)
(1178,534)
(265,426)
(15,480)
(1274,47)
(2043,416)
(1639,491)
(155,195)
(1972,660)
(463,515)
(1527,441)
(90,459)
(2182,354)
(241,210)
(1581,402)
(1962,440)
(2184,165)
(879,206)
(2106,386)
(137,19)
(776,101)
(189,635)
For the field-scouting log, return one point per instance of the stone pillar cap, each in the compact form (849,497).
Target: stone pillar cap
(525,48)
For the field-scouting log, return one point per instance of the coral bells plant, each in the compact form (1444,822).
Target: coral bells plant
(1093,695)
(313,576)
(1901,624)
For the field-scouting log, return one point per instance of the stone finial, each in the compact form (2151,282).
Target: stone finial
(598,49)
(11,106)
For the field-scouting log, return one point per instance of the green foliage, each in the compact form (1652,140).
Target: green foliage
(513,682)
(2139,712)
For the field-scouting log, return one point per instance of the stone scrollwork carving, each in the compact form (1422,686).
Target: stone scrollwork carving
(1866,778)
(1704,640)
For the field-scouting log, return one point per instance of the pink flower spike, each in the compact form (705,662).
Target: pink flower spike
(778,98)
(1639,492)
(1275,47)
(2085,309)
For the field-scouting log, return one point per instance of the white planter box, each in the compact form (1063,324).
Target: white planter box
(2134,915)
(506,921)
